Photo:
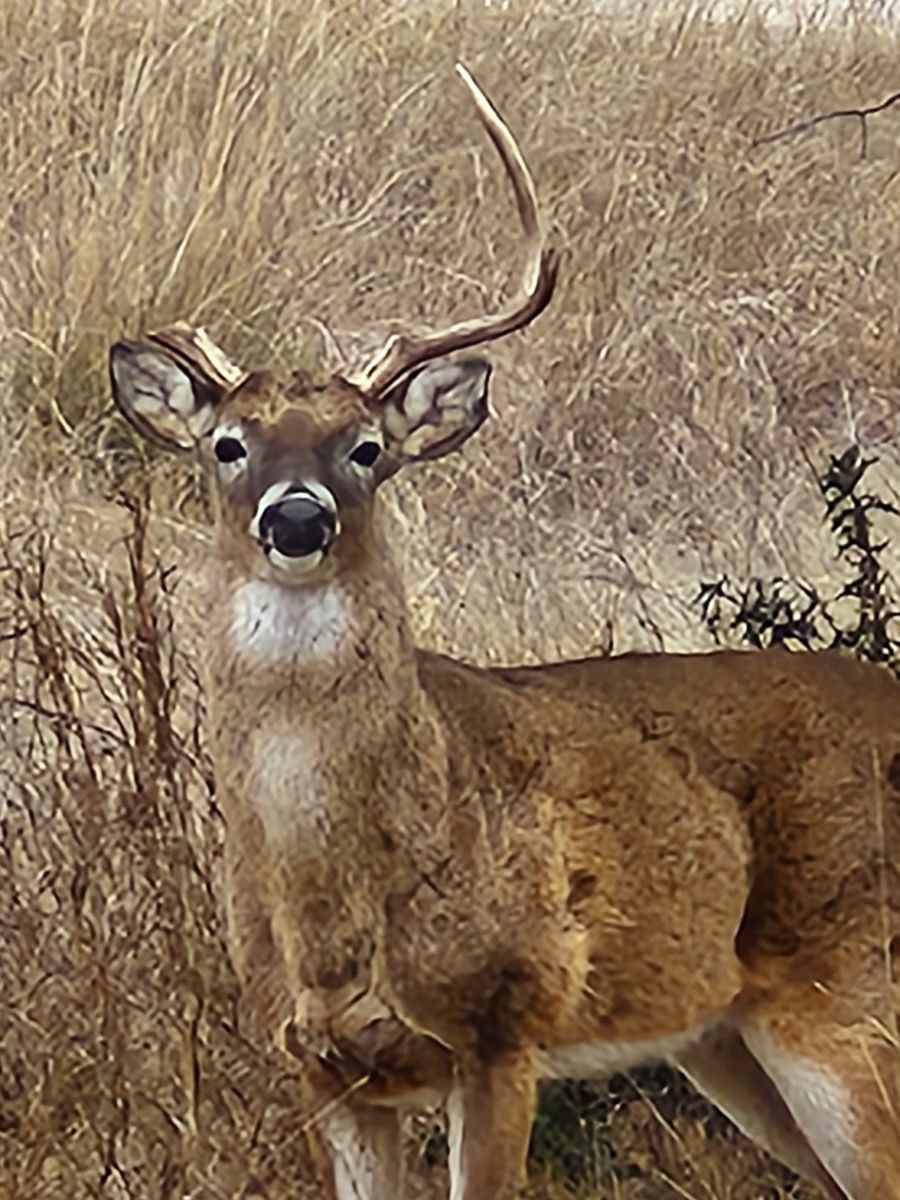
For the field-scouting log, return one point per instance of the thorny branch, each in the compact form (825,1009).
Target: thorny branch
(772,612)
(859,114)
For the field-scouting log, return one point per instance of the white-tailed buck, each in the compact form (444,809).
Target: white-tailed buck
(451,882)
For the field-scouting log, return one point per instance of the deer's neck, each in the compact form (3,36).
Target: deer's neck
(316,702)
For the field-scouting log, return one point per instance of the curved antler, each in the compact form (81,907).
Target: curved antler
(403,352)
(196,348)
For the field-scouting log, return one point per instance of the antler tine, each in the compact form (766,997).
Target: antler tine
(195,346)
(403,352)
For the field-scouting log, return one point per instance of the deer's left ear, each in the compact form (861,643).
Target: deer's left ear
(434,411)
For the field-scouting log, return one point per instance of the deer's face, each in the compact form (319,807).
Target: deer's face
(294,469)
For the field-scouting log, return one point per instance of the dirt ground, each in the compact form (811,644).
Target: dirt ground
(302,179)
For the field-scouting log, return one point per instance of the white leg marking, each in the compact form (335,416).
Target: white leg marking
(355,1163)
(455,1138)
(820,1104)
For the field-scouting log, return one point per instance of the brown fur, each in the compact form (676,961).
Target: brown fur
(692,857)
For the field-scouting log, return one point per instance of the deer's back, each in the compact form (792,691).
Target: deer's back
(696,803)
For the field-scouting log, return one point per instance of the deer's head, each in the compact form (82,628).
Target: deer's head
(295,468)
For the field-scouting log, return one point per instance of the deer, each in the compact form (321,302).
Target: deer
(446,883)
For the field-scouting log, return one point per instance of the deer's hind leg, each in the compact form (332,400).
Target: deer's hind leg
(723,1069)
(840,1081)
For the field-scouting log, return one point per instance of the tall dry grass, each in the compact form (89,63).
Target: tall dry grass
(301,178)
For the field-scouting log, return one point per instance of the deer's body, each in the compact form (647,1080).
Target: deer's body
(608,861)
(603,853)
(450,882)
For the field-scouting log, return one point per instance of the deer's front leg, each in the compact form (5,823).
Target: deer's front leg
(361,1153)
(356,1147)
(490,1112)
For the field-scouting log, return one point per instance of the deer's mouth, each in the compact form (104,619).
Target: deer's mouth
(296,525)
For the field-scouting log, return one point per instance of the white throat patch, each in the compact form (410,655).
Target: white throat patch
(276,624)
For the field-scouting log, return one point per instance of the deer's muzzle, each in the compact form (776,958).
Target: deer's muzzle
(297,525)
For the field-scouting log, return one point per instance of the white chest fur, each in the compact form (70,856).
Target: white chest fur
(274,624)
(287,787)
(276,627)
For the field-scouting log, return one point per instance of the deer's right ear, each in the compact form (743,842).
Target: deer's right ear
(162,397)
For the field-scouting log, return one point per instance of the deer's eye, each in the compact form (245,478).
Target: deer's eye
(365,454)
(229,449)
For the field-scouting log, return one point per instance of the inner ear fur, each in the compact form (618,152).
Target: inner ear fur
(163,395)
(434,411)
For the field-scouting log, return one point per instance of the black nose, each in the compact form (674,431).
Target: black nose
(296,526)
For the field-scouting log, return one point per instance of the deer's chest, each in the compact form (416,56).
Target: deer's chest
(273,727)
(288,787)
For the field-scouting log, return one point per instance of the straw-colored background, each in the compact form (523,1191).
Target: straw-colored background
(301,178)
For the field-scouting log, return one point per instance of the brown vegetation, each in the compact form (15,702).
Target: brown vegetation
(292,174)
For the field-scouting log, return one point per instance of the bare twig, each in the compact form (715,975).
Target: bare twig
(859,114)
